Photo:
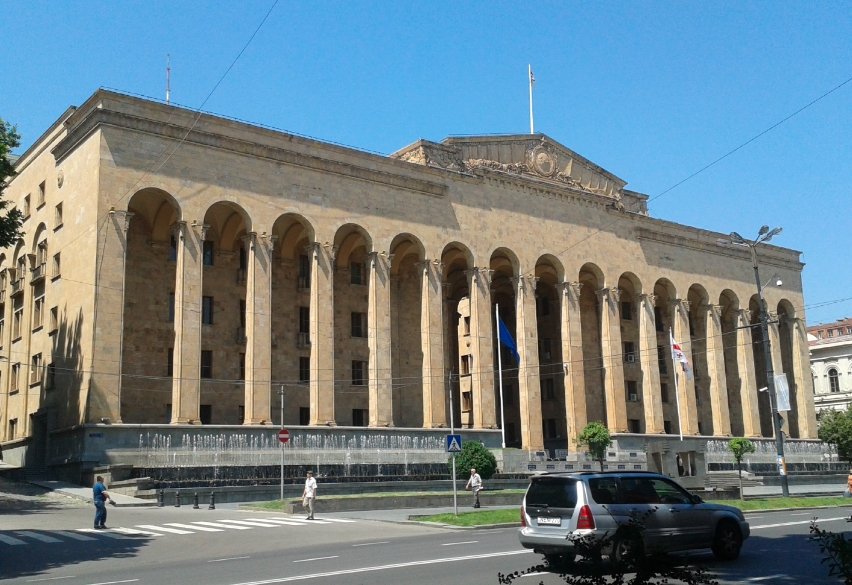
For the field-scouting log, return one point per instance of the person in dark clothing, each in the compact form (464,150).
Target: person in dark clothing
(100,497)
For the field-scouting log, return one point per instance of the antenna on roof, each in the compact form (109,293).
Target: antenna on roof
(168,78)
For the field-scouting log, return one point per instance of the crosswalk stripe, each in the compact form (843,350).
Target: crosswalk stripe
(105,533)
(36,536)
(341,520)
(305,521)
(135,532)
(276,521)
(201,528)
(163,529)
(10,540)
(218,525)
(73,535)
(250,523)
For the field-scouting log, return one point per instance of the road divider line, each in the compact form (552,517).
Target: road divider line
(228,559)
(456,543)
(372,543)
(316,559)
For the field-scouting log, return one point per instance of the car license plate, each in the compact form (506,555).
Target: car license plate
(549,521)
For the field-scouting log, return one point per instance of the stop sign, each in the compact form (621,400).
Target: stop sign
(283,435)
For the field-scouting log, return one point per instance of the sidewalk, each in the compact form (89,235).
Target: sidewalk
(85,493)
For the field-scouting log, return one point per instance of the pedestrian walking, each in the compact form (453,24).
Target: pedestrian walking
(100,497)
(474,484)
(309,495)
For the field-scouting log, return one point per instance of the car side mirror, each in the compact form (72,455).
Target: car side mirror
(696,499)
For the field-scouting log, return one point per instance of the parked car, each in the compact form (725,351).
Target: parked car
(560,507)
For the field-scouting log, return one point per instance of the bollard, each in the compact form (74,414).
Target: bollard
(212,505)
(177,498)
(161,498)
(195,501)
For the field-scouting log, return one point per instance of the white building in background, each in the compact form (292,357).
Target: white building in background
(831,364)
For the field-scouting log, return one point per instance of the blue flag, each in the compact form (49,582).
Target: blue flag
(506,339)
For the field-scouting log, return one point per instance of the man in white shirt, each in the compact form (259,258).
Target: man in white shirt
(309,495)
(474,484)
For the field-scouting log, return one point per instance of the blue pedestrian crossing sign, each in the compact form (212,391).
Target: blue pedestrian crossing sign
(454,443)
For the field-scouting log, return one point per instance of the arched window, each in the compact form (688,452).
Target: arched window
(833,380)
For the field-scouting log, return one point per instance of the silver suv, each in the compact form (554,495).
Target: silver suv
(558,508)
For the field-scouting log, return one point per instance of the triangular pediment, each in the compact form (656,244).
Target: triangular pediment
(532,156)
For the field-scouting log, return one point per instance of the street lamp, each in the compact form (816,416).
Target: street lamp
(764,235)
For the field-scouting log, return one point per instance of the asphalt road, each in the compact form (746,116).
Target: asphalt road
(52,543)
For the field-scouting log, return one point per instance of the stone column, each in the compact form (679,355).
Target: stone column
(748,379)
(379,341)
(611,350)
(572,360)
(778,363)
(688,412)
(322,334)
(6,365)
(802,380)
(482,349)
(186,381)
(716,371)
(529,384)
(652,400)
(258,386)
(432,342)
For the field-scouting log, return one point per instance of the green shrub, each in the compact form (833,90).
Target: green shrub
(474,454)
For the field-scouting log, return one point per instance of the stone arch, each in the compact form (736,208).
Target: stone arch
(149,307)
(699,299)
(230,223)
(591,277)
(665,293)
(555,425)
(457,262)
(729,310)
(787,330)
(629,311)
(504,266)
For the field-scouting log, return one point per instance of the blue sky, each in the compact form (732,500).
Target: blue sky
(651,91)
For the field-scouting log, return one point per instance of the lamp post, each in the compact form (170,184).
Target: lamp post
(764,235)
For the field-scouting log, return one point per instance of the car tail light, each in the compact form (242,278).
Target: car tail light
(523,517)
(585,521)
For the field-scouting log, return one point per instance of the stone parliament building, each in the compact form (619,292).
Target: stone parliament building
(181,270)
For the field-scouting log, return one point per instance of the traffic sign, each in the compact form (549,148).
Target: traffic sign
(454,443)
(283,435)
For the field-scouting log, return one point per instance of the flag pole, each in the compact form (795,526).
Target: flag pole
(532,80)
(500,374)
(675,362)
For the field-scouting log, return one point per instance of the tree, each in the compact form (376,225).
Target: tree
(596,438)
(835,428)
(740,447)
(475,455)
(10,224)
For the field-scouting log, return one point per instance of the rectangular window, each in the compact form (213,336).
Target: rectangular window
(38,313)
(207,310)
(14,377)
(304,415)
(667,427)
(208,253)
(629,352)
(659,325)
(17,320)
(627,310)
(304,319)
(633,425)
(57,265)
(304,369)
(546,348)
(241,364)
(662,362)
(35,369)
(13,428)
(171,307)
(359,417)
(356,273)
(467,325)
(2,329)
(42,188)
(632,392)
(26,209)
(57,216)
(304,271)
(242,310)
(547,389)
(205,413)
(664,393)
(359,373)
(170,362)
(466,360)
(359,324)
(206,363)
(50,380)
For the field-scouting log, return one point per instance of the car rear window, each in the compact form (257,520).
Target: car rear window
(554,492)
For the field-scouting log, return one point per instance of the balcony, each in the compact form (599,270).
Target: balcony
(17,286)
(39,272)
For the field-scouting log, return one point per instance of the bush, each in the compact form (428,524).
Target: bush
(474,454)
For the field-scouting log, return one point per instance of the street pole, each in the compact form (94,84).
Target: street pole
(453,432)
(281,397)
(770,378)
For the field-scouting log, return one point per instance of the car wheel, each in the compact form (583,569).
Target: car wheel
(727,541)
(626,549)
(559,560)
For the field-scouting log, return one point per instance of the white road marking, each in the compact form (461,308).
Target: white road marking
(277,521)
(50,579)
(191,527)
(73,535)
(10,540)
(228,559)
(372,543)
(315,559)
(455,543)
(384,567)
(780,524)
(37,536)
(114,582)
(306,521)
(251,523)
(107,534)
(164,529)
(218,525)
(135,532)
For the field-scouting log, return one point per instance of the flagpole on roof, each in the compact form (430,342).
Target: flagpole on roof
(532,81)
(675,362)
(169,80)
(500,375)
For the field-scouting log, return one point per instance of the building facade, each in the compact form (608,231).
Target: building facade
(182,269)
(831,364)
